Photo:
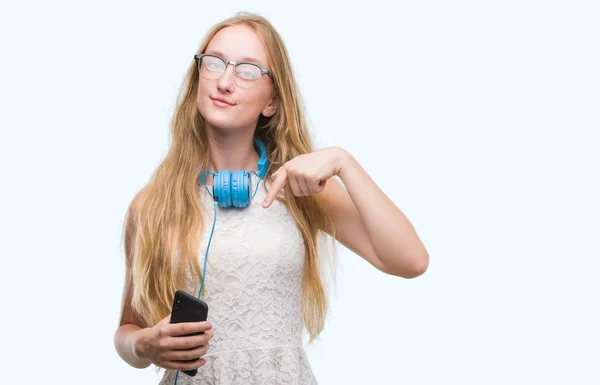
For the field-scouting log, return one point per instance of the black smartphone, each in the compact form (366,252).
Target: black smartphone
(187,308)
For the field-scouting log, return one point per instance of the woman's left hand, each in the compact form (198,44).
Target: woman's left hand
(307,174)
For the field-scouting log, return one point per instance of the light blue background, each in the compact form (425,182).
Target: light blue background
(479,118)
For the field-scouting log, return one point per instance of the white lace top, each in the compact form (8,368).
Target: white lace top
(253,289)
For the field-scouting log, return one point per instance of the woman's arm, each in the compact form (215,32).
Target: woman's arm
(370,224)
(127,337)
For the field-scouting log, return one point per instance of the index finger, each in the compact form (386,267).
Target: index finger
(185,328)
(275,188)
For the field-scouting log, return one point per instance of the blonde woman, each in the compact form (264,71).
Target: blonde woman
(247,241)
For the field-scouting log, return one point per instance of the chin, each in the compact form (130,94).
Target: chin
(220,121)
(216,117)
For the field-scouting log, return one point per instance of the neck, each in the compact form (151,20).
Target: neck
(232,151)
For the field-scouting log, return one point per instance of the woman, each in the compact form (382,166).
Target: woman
(256,233)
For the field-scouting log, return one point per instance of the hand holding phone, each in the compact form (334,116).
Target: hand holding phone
(187,308)
(179,340)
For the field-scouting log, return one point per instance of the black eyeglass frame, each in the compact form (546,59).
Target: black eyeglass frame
(263,71)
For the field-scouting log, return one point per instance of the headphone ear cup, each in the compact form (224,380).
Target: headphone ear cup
(240,191)
(222,188)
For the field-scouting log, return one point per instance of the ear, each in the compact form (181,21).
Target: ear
(271,106)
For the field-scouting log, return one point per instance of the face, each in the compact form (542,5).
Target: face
(224,104)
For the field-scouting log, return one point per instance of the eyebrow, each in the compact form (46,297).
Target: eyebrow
(245,58)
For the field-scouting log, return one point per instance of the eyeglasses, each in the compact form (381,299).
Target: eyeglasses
(246,75)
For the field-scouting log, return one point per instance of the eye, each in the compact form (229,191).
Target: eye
(248,75)
(248,71)
(214,65)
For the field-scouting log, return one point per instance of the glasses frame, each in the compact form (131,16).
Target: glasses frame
(263,71)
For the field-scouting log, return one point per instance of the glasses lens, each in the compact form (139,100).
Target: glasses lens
(211,67)
(247,75)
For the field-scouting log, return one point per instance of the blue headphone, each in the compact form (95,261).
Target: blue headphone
(232,188)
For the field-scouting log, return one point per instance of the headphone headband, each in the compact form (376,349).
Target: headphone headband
(263,162)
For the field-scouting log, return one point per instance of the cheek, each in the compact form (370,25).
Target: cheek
(201,102)
(202,97)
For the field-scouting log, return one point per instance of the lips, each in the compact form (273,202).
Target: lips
(221,101)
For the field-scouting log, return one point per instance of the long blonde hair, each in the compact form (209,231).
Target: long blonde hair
(170,221)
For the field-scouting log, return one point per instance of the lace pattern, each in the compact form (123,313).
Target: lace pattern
(253,287)
(264,366)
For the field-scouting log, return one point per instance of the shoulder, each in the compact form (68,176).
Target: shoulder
(138,200)
(136,204)
(133,211)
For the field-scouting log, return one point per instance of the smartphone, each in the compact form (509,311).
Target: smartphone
(187,308)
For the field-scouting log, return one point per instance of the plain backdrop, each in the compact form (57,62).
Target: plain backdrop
(480,119)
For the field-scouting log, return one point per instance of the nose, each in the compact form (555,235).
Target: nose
(225,82)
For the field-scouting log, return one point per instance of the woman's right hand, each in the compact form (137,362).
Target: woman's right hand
(167,345)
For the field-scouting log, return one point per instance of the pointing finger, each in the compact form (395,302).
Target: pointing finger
(275,188)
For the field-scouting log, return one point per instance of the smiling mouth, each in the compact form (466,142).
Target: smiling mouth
(222,102)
